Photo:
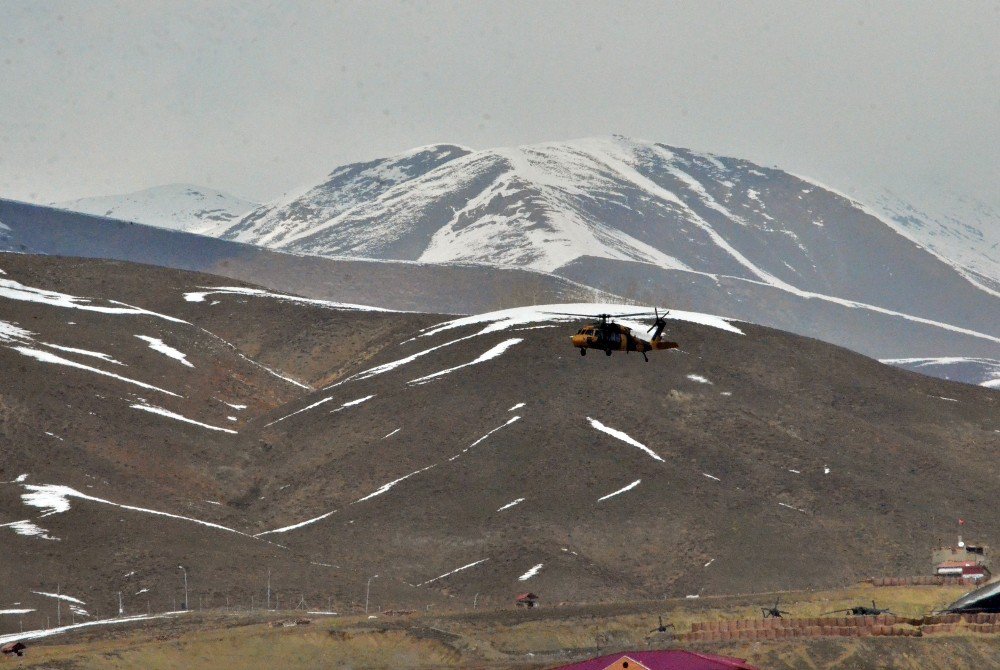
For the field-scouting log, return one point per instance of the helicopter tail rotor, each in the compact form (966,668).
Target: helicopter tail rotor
(658,325)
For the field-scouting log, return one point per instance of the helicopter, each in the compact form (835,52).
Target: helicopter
(662,628)
(773,611)
(862,610)
(609,336)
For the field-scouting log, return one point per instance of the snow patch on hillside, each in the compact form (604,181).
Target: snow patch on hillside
(14,290)
(178,417)
(160,346)
(47,357)
(84,352)
(569,312)
(11,333)
(28,528)
(530,573)
(48,632)
(624,437)
(448,574)
(60,596)
(512,503)
(199,296)
(488,355)
(54,499)
(623,489)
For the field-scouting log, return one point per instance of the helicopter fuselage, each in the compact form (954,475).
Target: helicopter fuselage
(615,337)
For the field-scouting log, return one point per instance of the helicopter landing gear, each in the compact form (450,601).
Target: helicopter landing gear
(583,352)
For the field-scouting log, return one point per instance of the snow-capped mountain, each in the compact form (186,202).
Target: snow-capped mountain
(193,209)
(968,234)
(978,371)
(553,206)
(346,187)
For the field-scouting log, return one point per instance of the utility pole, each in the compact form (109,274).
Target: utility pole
(269,588)
(185,606)
(121,607)
(58,605)
(475,601)
(368,589)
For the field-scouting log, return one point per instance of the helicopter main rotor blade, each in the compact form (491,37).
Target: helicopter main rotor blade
(600,316)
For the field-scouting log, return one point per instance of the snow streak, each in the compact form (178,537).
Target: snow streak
(448,574)
(84,352)
(173,415)
(510,421)
(55,499)
(530,573)
(385,487)
(47,632)
(46,357)
(349,403)
(512,503)
(199,296)
(160,346)
(17,291)
(26,527)
(621,490)
(485,356)
(624,438)
(294,526)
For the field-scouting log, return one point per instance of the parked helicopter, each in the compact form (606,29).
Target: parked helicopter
(609,336)
(773,611)
(862,610)
(662,628)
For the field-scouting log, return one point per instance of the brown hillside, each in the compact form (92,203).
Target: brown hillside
(906,454)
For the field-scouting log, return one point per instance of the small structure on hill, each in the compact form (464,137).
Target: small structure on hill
(966,560)
(13,648)
(667,659)
(526,600)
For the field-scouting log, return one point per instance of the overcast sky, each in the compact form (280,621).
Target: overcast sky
(256,98)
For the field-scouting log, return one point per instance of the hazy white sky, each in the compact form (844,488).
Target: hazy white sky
(257,98)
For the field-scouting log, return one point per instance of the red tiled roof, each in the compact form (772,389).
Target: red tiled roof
(667,659)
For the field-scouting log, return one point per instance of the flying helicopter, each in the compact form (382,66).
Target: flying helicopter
(609,336)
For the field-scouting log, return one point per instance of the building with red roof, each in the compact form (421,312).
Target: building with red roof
(666,659)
